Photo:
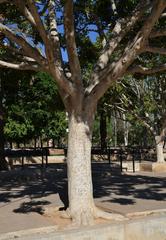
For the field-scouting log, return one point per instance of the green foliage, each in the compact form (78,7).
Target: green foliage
(141,99)
(17,131)
(34,108)
(57,126)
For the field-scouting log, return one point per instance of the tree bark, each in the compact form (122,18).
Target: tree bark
(80,190)
(159,149)
(126,130)
(82,209)
(3,162)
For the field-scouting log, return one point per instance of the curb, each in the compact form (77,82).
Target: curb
(144,228)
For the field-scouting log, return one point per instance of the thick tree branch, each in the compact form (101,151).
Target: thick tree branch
(158,33)
(53,31)
(20,66)
(117,70)
(155,50)
(71,44)
(120,30)
(51,65)
(28,49)
(42,32)
(145,70)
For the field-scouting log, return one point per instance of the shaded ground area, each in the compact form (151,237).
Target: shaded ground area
(24,193)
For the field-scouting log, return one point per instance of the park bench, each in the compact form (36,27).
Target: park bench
(108,153)
(118,154)
(27,153)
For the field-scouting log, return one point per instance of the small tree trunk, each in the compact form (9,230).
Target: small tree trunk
(159,149)
(126,130)
(3,162)
(80,191)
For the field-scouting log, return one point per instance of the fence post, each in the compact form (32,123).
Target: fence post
(46,149)
(109,155)
(121,160)
(133,160)
(22,158)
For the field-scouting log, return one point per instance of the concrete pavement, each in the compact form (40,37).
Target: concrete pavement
(24,193)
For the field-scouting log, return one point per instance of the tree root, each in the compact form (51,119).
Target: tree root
(83,218)
(66,214)
(109,216)
(86,218)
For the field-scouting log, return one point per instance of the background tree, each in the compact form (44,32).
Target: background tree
(3,163)
(142,100)
(36,44)
(33,108)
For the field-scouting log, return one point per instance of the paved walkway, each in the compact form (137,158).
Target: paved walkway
(23,193)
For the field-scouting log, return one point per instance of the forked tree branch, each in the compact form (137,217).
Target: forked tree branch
(49,64)
(117,70)
(54,69)
(120,30)
(70,42)
(28,49)
(42,31)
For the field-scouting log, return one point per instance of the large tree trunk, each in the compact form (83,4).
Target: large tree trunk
(82,209)
(80,190)
(159,149)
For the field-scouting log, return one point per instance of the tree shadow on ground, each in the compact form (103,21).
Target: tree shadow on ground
(35,183)
(123,186)
(32,206)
